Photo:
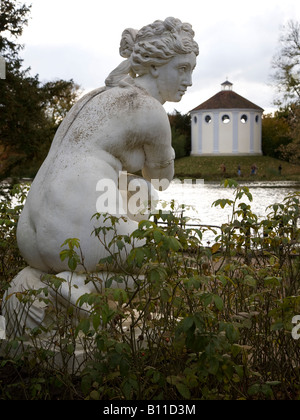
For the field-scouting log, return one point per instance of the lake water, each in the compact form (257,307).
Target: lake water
(200,197)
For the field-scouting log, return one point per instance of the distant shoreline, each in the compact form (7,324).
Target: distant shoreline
(214,169)
(218,168)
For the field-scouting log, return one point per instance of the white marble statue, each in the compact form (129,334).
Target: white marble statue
(120,127)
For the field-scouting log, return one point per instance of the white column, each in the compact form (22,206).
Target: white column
(200,134)
(260,133)
(216,122)
(235,132)
(252,122)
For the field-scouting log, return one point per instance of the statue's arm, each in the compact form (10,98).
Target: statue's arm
(160,169)
(159,153)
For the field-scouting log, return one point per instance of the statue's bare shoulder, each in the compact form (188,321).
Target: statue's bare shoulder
(144,113)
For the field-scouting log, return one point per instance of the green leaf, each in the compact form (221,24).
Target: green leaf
(254,389)
(64,254)
(154,276)
(157,236)
(72,262)
(173,380)
(207,298)
(139,255)
(173,243)
(120,245)
(223,203)
(84,326)
(157,274)
(213,366)
(183,390)
(96,321)
(124,367)
(156,377)
(120,296)
(231,333)
(250,281)
(218,302)
(72,243)
(56,282)
(248,193)
(273,383)
(95,395)
(215,248)
(70,348)
(229,183)
(239,370)
(165,296)
(187,324)
(277,326)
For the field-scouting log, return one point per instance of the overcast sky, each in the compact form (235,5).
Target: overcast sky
(79,40)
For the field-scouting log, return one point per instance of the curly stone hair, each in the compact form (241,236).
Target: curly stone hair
(154,45)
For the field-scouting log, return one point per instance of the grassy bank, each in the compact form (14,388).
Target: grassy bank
(210,168)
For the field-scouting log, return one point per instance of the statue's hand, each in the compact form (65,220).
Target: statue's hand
(140,198)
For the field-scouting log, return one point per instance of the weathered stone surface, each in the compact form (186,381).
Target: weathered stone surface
(121,127)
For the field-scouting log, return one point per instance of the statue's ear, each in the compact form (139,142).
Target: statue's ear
(154,71)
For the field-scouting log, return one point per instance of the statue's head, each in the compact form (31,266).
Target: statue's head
(152,47)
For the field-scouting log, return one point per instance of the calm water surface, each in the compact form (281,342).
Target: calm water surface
(199,198)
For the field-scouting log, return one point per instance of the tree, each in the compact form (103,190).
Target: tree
(30,112)
(59,96)
(286,64)
(275,133)
(13,18)
(181,133)
(291,151)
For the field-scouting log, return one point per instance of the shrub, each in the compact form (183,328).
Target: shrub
(12,198)
(188,321)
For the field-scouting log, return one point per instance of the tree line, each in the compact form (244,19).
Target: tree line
(30,111)
(281,132)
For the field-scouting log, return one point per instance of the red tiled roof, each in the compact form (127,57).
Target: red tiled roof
(227,99)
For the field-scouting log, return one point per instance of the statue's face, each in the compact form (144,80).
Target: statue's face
(175,77)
